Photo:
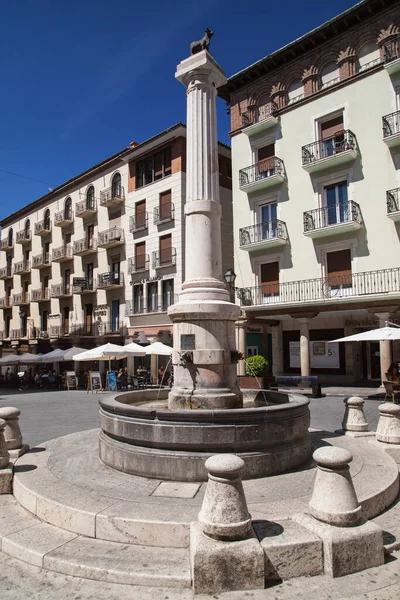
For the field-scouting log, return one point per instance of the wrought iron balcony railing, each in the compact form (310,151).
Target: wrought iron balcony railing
(63,217)
(38,334)
(138,222)
(43,227)
(113,194)
(97,329)
(391,124)
(23,266)
(82,285)
(255,114)
(164,214)
(393,200)
(85,207)
(110,279)
(139,264)
(164,258)
(61,289)
(268,167)
(20,299)
(111,237)
(6,245)
(62,253)
(16,334)
(262,232)
(6,272)
(41,260)
(84,246)
(319,218)
(340,142)
(391,50)
(23,236)
(5,302)
(40,294)
(368,283)
(133,308)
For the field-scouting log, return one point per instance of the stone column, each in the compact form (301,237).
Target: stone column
(277,349)
(385,348)
(241,346)
(204,318)
(304,346)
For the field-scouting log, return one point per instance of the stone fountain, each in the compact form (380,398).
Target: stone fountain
(205,413)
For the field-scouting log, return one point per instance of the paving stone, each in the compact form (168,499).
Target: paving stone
(173,489)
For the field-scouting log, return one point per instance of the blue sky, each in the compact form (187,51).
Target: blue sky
(82,79)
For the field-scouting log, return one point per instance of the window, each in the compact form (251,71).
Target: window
(167,293)
(165,249)
(89,276)
(332,136)
(166,205)
(140,214)
(68,210)
(338,265)
(116,189)
(368,56)
(115,315)
(67,281)
(65,315)
(90,198)
(153,167)
(9,261)
(266,162)
(44,320)
(27,228)
(47,219)
(90,236)
(269,281)
(10,237)
(268,221)
(329,75)
(152,296)
(295,91)
(67,239)
(336,202)
(116,271)
(140,256)
(138,299)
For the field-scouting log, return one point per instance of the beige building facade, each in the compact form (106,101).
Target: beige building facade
(315,131)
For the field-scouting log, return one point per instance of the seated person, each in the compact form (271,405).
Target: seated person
(393,374)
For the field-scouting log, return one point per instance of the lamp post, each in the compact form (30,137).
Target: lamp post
(230,277)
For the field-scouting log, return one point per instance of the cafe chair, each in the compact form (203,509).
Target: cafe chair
(392,390)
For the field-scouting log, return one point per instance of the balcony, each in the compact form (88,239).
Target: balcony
(6,273)
(5,302)
(330,152)
(391,129)
(393,204)
(140,264)
(16,334)
(332,220)
(5,245)
(99,329)
(86,208)
(40,295)
(352,287)
(110,238)
(392,56)
(164,214)
(41,261)
(112,196)
(38,334)
(63,218)
(43,227)
(84,247)
(263,236)
(21,299)
(62,254)
(56,331)
(164,258)
(22,267)
(266,173)
(61,290)
(133,309)
(83,285)
(259,118)
(110,280)
(23,236)
(139,222)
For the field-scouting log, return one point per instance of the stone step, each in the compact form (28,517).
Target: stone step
(26,538)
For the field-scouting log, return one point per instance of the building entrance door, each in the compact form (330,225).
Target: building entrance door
(371,358)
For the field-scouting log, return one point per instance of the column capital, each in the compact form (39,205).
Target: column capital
(304,315)
(198,67)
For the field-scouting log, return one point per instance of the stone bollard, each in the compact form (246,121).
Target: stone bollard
(12,431)
(350,542)
(5,469)
(354,419)
(388,429)
(225,554)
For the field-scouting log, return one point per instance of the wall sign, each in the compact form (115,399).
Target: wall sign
(94,382)
(188,341)
(147,280)
(323,355)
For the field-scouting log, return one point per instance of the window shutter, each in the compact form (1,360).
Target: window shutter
(140,255)
(165,249)
(140,213)
(165,204)
(339,267)
(329,128)
(270,278)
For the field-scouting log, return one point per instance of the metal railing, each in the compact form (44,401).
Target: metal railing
(393,200)
(97,329)
(61,289)
(164,213)
(4,245)
(62,252)
(256,114)
(164,258)
(40,294)
(20,298)
(368,283)
(340,142)
(6,272)
(36,333)
(5,302)
(63,215)
(43,226)
(330,83)
(41,260)
(391,50)
(115,234)
(391,124)
(23,236)
(23,266)
(16,334)
(112,193)
(133,308)
(262,232)
(84,245)
(109,279)
(85,206)
(139,222)
(267,167)
(56,331)
(86,286)
(319,218)
(138,264)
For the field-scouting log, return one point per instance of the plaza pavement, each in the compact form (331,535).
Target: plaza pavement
(45,415)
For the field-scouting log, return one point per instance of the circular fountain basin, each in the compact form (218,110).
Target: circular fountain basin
(141,437)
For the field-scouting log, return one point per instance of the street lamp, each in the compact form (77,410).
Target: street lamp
(230,277)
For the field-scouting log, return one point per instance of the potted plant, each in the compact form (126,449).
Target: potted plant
(256,373)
